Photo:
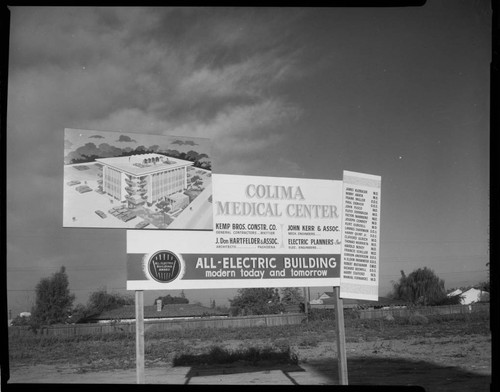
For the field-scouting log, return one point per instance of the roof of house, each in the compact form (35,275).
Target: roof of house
(350,303)
(329,293)
(474,295)
(455,292)
(471,295)
(167,311)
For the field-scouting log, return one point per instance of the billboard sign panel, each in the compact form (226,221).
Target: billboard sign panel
(136,181)
(164,260)
(360,236)
(287,214)
(268,232)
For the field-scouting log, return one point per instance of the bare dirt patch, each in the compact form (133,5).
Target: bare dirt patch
(452,356)
(437,364)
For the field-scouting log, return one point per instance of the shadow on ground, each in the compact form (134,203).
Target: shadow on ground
(365,371)
(385,371)
(238,367)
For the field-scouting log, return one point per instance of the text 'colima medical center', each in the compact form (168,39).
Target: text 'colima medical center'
(145,178)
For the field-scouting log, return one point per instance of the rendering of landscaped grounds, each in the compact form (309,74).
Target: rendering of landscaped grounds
(91,201)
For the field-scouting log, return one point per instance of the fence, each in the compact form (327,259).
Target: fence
(164,325)
(426,311)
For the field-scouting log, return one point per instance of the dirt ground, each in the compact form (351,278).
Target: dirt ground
(461,363)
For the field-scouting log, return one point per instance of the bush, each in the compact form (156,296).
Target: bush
(389,317)
(309,341)
(281,343)
(99,301)
(219,355)
(418,319)
(257,301)
(21,321)
(321,314)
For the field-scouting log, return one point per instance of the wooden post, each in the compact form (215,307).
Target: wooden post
(139,335)
(306,304)
(340,331)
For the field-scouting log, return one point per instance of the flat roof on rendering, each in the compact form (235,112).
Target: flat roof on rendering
(143,164)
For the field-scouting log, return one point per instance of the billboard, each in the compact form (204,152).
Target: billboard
(136,181)
(270,232)
(267,232)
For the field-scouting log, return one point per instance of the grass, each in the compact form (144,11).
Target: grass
(117,350)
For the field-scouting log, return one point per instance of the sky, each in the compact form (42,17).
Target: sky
(399,92)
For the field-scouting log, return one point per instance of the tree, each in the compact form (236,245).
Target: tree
(452,300)
(98,302)
(421,287)
(195,181)
(256,301)
(80,314)
(291,295)
(53,300)
(485,286)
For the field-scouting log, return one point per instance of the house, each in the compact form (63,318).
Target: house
(153,313)
(454,293)
(329,303)
(327,294)
(471,296)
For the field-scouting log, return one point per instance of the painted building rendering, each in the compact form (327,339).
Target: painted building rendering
(144,178)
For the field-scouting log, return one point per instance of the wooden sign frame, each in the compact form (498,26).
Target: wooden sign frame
(339,331)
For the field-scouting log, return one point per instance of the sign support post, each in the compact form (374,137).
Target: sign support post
(306,304)
(139,335)
(340,332)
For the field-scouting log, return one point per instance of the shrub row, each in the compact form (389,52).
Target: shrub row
(324,321)
(253,355)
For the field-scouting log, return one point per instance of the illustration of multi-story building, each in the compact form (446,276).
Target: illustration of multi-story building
(145,178)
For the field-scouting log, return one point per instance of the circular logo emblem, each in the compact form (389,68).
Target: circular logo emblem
(164,266)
